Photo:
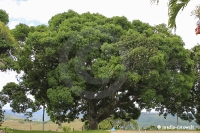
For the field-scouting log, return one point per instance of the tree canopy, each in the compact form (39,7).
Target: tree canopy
(4,16)
(7,45)
(98,66)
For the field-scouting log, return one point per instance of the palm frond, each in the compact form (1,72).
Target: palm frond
(174,7)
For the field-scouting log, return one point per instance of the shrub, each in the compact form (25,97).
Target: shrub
(5,129)
(66,129)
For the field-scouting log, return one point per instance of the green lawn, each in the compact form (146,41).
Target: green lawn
(96,131)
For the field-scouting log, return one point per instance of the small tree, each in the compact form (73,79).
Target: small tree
(28,115)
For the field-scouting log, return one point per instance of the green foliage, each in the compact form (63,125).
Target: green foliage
(16,96)
(41,28)
(7,47)
(55,21)
(86,125)
(28,115)
(6,38)
(4,16)
(6,129)
(20,32)
(105,124)
(174,7)
(66,129)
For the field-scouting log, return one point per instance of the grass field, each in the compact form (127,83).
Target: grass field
(102,131)
(49,126)
(20,131)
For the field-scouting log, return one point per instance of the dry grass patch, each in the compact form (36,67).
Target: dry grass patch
(49,126)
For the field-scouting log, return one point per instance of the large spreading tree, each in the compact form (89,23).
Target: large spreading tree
(98,66)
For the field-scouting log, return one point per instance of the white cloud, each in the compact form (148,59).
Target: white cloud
(31,24)
(43,10)
(12,24)
(7,106)
(5,77)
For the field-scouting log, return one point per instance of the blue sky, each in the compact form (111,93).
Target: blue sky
(36,12)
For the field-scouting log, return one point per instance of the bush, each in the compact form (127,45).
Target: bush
(86,125)
(66,129)
(5,129)
(152,128)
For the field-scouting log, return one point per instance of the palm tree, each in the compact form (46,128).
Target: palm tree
(174,7)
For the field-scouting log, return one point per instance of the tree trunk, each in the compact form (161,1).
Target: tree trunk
(92,114)
(93,125)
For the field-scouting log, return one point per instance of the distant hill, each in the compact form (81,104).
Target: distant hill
(148,119)
(145,120)
(37,116)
